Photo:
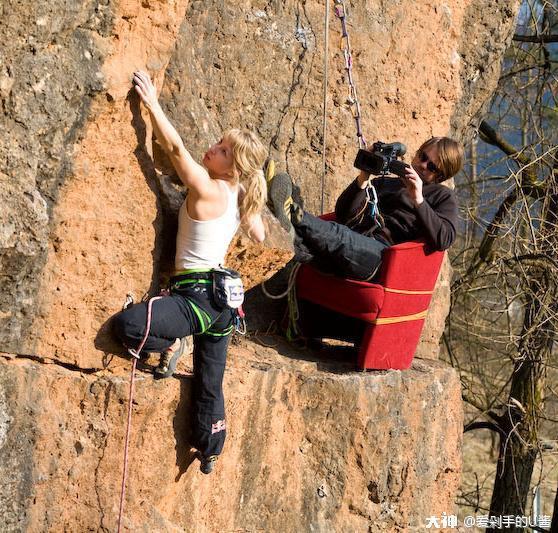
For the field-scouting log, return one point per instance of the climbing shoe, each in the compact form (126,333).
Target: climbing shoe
(269,170)
(280,197)
(169,359)
(207,463)
(297,197)
(297,214)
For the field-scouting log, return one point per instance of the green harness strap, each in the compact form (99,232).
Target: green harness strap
(189,280)
(224,333)
(206,322)
(203,317)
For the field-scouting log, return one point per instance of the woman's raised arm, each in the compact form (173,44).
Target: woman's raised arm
(192,174)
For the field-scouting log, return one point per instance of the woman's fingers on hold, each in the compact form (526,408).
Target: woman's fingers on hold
(145,77)
(141,77)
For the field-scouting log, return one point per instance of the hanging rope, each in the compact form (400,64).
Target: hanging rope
(290,284)
(352,100)
(324,106)
(135,357)
(290,292)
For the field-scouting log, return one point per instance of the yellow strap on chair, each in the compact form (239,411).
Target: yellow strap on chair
(403,318)
(403,291)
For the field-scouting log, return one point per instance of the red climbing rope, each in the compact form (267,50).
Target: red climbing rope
(135,357)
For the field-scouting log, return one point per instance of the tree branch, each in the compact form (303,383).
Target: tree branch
(485,425)
(525,69)
(493,229)
(491,136)
(536,38)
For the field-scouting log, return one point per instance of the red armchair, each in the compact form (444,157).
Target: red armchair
(393,310)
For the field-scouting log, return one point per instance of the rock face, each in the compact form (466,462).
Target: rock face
(308,449)
(89,207)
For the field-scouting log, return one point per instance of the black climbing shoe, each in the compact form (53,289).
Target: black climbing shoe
(297,197)
(280,197)
(168,361)
(297,214)
(207,463)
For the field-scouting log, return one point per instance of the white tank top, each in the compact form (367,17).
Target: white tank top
(204,243)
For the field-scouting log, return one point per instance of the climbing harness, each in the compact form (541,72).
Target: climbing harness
(228,293)
(135,356)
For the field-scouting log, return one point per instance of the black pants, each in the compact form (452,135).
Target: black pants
(189,311)
(338,249)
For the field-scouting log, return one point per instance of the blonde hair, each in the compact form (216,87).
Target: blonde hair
(450,156)
(249,155)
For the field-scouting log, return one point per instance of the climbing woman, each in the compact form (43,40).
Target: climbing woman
(228,190)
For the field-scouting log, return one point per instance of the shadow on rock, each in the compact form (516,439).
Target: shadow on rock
(332,358)
(262,312)
(182,424)
(267,321)
(106,342)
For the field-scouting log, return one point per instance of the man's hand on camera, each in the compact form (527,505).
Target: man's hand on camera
(413,183)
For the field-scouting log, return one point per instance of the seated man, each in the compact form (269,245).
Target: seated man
(415,207)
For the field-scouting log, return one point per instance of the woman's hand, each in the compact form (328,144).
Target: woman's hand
(255,228)
(145,89)
(413,183)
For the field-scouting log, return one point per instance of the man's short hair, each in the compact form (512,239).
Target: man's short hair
(450,156)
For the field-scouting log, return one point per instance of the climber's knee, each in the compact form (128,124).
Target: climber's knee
(127,327)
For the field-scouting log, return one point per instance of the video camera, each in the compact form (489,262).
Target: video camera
(382,159)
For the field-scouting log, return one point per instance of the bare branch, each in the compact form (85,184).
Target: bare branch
(536,38)
(485,425)
(491,136)
(493,229)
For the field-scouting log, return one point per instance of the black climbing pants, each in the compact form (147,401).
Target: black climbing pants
(339,250)
(189,310)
